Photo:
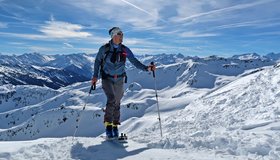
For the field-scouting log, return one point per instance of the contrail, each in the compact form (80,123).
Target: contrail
(142,10)
(232,8)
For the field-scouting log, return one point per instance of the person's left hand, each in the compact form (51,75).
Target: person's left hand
(93,81)
(152,67)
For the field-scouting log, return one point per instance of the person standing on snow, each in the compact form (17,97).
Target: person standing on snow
(110,63)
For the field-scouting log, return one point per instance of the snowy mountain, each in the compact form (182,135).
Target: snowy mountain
(273,56)
(211,108)
(52,71)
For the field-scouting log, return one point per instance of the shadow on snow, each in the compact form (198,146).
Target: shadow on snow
(105,150)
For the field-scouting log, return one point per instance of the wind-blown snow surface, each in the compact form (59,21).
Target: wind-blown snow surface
(235,117)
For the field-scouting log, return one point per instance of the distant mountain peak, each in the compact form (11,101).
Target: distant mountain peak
(247,56)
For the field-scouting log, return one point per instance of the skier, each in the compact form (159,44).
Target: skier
(110,63)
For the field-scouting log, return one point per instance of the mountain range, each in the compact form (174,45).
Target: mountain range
(57,71)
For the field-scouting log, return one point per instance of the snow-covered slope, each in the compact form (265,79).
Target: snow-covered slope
(182,79)
(15,97)
(241,118)
(211,108)
(92,149)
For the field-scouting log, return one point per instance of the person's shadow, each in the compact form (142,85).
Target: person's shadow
(105,151)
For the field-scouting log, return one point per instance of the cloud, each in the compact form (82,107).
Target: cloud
(272,33)
(3,25)
(141,42)
(17,43)
(68,45)
(58,29)
(52,30)
(130,13)
(197,35)
(257,24)
(24,36)
(219,11)
(141,9)
(40,49)
(162,49)
(93,40)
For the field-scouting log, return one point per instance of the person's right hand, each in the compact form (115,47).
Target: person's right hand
(94,80)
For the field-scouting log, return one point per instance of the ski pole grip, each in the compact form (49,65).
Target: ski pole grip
(154,75)
(93,87)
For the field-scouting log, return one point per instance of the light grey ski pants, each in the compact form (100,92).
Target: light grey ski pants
(114,92)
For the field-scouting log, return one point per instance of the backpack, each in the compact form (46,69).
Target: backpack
(122,58)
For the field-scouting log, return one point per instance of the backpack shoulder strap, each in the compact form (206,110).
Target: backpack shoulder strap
(123,47)
(105,54)
(106,51)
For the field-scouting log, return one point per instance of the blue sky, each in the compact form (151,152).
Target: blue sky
(190,27)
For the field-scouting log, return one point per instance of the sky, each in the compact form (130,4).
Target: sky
(189,27)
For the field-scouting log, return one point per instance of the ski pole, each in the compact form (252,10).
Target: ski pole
(93,87)
(154,76)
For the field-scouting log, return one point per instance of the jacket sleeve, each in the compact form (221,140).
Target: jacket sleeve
(98,60)
(135,61)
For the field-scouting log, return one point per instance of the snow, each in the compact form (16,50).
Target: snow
(89,149)
(208,111)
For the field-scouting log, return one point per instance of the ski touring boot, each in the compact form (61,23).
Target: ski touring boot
(115,131)
(109,130)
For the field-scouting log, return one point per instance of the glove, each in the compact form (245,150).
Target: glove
(94,80)
(151,67)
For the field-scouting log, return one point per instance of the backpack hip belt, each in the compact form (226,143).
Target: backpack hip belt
(105,76)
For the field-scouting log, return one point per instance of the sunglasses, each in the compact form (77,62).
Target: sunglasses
(120,33)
